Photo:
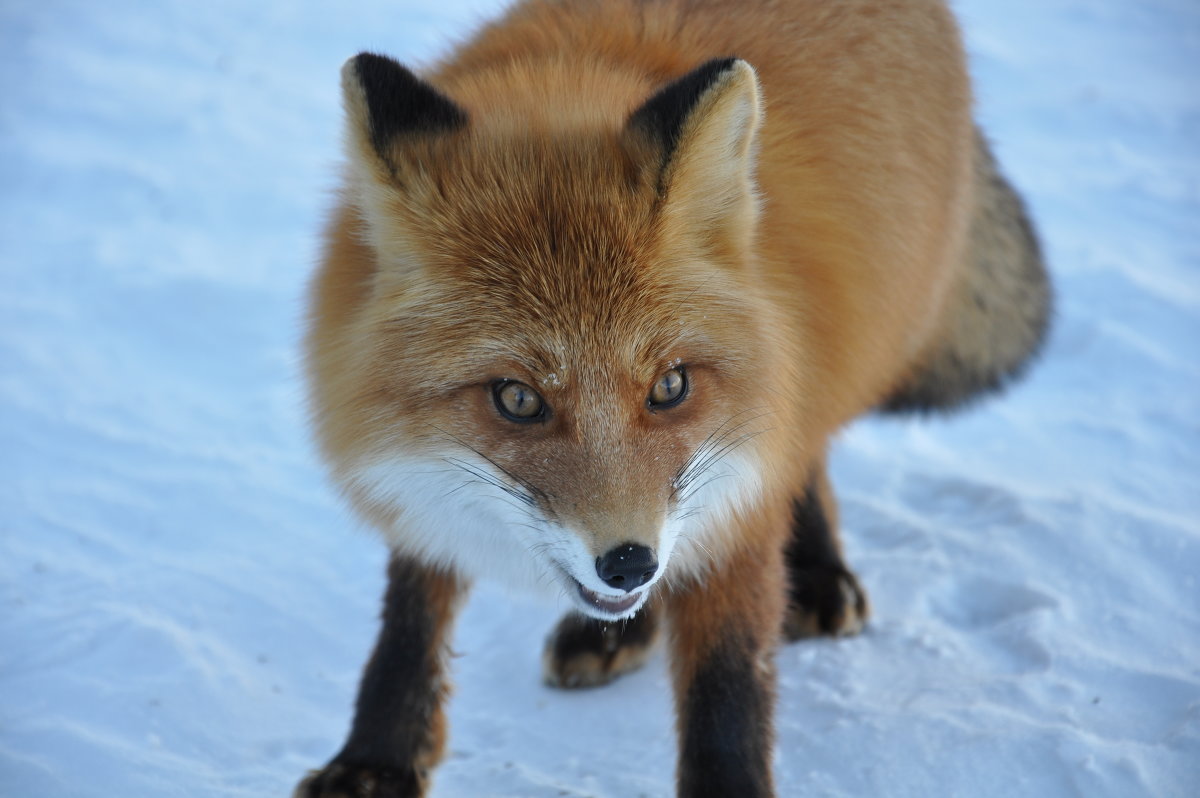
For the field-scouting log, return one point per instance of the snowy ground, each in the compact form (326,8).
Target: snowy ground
(184,607)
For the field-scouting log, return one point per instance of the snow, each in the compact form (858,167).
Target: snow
(186,607)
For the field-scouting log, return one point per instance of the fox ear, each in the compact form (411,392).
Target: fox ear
(703,128)
(385,101)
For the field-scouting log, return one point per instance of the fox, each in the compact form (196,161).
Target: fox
(598,291)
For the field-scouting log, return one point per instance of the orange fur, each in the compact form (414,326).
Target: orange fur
(864,164)
(796,253)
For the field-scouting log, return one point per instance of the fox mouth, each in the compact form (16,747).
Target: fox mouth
(604,607)
(607,605)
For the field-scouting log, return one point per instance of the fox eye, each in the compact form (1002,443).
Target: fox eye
(516,401)
(668,390)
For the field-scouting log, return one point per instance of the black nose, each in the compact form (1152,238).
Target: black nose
(627,567)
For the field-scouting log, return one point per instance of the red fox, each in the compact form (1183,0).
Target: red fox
(599,290)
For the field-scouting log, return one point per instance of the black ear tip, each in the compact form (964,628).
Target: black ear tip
(372,66)
(367,56)
(717,66)
(381,76)
(398,102)
(662,116)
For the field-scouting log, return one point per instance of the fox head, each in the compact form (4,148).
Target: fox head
(539,349)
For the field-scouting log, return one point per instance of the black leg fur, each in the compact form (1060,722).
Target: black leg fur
(585,652)
(725,746)
(724,630)
(824,597)
(398,730)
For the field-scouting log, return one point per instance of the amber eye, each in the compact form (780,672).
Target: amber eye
(668,390)
(516,401)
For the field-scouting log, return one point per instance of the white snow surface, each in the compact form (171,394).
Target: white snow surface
(185,607)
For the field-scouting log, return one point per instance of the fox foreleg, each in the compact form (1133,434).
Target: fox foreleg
(724,632)
(399,728)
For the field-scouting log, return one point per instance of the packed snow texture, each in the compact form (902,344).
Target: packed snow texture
(186,606)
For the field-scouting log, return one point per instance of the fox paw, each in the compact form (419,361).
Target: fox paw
(350,781)
(825,601)
(585,652)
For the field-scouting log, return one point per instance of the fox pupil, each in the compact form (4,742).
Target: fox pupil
(669,389)
(518,401)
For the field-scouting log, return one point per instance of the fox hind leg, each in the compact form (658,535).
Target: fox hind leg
(824,596)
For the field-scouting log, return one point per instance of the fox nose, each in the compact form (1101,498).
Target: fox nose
(627,567)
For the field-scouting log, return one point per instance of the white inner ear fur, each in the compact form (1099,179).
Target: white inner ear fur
(364,161)
(368,180)
(711,174)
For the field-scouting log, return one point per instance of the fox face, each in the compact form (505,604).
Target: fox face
(556,367)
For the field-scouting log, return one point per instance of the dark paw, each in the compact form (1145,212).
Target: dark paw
(825,601)
(348,781)
(585,652)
